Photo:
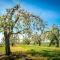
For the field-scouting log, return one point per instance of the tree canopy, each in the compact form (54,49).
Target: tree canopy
(18,21)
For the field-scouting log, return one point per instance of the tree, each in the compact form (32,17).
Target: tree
(15,21)
(26,41)
(36,39)
(53,35)
(14,39)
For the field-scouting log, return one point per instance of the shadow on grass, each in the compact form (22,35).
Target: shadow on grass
(51,55)
(10,57)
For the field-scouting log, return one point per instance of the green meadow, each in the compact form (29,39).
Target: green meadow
(35,51)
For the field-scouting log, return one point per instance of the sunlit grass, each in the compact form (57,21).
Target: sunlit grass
(25,48)
(2,50)
(35,51)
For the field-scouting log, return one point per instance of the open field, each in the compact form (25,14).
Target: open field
(35,51)
(33,47)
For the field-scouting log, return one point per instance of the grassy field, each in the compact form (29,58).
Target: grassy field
(2,50)
(33,47)
(35,50)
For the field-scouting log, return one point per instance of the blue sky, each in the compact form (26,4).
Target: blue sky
(48,10)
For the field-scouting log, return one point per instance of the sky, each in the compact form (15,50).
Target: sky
(48,10)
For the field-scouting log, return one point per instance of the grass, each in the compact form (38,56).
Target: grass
(39,48)
(35,50)
(29,47)
(2,50)
(24,48)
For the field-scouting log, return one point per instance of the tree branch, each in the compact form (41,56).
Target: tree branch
(19,32)
(16,19)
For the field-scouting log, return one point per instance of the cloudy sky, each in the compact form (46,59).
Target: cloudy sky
(48,10)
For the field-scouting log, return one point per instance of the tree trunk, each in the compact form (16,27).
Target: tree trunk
(7,43)
(57,43)
(39,43)
(50,43)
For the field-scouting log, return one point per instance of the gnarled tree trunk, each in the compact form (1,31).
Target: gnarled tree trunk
(7,43)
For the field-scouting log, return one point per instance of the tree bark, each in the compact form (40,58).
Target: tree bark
(7,43)
(51,43)
(39,42)
(57,43)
